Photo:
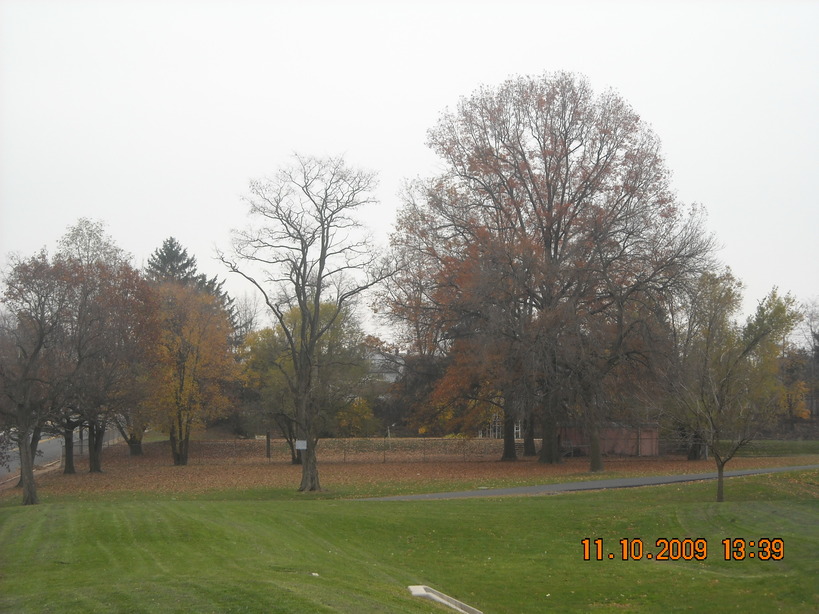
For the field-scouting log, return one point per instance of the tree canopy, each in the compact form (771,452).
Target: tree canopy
(171,263)
(341,368)
(546,276)
(551,237)
(725,375)
(194,366)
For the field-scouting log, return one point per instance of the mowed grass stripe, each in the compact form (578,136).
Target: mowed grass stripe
(499,554)
(185,556)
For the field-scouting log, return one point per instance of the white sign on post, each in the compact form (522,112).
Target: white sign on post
(301,444)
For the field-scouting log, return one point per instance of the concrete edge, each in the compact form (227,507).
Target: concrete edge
(425,592)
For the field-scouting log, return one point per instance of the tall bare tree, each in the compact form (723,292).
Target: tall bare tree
(308,255)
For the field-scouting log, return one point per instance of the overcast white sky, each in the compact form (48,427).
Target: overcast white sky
(154,115)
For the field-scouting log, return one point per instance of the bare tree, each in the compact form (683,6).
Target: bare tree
(33,372)
(308,253)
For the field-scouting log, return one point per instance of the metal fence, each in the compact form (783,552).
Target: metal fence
(355,450)
(359,450)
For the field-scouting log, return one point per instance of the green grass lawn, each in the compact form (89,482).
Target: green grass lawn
(235,552)
(777,447)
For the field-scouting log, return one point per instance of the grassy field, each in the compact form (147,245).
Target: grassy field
(771,447)
(94,548)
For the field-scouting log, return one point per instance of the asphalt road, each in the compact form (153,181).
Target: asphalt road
(550,489)
(50,451)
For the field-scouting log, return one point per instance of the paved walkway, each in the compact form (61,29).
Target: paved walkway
(549,489)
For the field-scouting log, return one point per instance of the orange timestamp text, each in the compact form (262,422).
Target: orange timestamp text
(686,549)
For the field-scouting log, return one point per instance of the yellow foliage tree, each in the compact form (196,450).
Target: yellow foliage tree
(727,381)
(792,400)
(339,370)
(195,365)
(356,419)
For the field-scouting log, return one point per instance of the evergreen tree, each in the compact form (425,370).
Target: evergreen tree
(171,263)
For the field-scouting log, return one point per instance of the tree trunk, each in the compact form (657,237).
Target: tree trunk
(32,444)
(720,481)
(288,428)
(179,448)
(309,467)
(295,455)
(96,437)
(131,434)
(68,439)
(509,452)
(696,451)
(595,450)
(134,444)
(184,447)
(173,441)
(180,436)
(36,434)
(306,424)
(27,467)
(550,450)
(529,448)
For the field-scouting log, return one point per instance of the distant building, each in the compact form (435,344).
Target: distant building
(615,439)
(385,367)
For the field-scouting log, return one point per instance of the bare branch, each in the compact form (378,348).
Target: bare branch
(308,255)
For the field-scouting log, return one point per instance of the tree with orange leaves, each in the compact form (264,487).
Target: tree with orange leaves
(551,234)
(110,334)
(34,372)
